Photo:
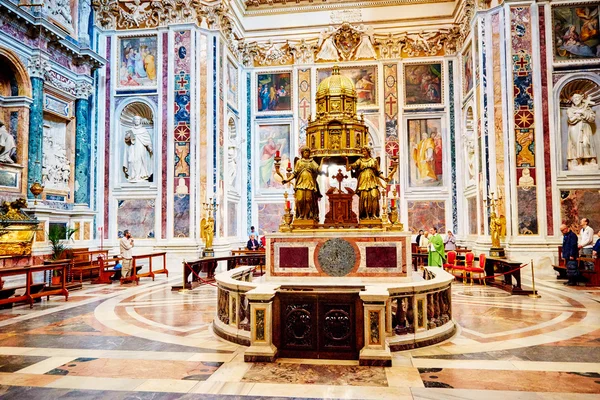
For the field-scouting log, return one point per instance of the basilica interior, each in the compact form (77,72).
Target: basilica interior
(269,199)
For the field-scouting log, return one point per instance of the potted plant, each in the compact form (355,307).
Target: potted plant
(58,235)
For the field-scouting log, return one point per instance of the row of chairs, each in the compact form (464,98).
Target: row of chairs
(469,269)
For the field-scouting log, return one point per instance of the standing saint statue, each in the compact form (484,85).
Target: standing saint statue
(368,174)
(7,146)
(497,228)
(581,150)
(306,189)
(137,162)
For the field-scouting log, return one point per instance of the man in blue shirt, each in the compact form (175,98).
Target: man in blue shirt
(570,252)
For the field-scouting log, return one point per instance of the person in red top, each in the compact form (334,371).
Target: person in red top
(263,241)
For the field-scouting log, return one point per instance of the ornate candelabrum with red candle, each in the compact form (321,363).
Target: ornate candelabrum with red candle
(393,214)
(288,217)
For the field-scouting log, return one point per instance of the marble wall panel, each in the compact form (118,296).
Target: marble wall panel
(107,147)
(472,215)
(580,203)
(269,217)
(498,122)
(426,214)
(527,199)
(136,215)
(202,129)
(165,96)
(232,219)
(181,215)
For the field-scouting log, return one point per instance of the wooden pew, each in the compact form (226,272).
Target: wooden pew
(591,277)
(87,261)
(33,290)
(250,260)
(135,277)
(561,267)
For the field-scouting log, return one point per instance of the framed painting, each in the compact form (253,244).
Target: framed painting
(364,79)
(467,70)
(137,62)
(576,34)
(232,84)
(274,92)
(423,85)
(272,139)
(425,146)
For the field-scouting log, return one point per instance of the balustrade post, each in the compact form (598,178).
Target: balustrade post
(376,351)
(261,325)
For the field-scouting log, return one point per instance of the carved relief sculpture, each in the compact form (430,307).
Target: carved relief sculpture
(8,146)
(56,167)
(137,162)
(581,152)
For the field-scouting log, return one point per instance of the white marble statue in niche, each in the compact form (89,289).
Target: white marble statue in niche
(581,151)
(56,167)
(8,147)
(84,21)
(137,161)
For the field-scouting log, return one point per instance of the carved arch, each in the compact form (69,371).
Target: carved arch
(19,70)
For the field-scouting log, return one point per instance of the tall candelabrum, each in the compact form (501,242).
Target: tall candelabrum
(393,213)
(288,217)
(208,227)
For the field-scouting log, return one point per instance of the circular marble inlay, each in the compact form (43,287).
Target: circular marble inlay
(336,257)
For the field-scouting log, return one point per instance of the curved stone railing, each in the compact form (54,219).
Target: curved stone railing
(397,316)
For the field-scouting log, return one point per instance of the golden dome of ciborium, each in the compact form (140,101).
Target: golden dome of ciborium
(336,132)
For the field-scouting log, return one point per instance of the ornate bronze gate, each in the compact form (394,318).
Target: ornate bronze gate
(318,325)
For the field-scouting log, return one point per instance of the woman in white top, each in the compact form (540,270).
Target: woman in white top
(450,242)
(424,242)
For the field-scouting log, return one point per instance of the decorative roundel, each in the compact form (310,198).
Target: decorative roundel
(182,52)
(390,81)
(336,257)
(392,148)
(304,86)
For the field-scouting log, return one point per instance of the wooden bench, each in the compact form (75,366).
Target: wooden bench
(591,277)
(250,260)
(33,291)
(87,261)
(135,277)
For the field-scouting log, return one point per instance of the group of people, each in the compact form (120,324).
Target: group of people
(574,246)
(435,245)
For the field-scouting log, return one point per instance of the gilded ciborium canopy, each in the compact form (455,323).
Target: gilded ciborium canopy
(336,132)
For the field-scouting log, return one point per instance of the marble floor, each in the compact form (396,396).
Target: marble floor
(146,342)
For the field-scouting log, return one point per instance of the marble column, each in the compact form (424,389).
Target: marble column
(37,69)
(83,139)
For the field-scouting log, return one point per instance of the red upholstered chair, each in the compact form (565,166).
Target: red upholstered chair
(469,257)
(479,270)
(451,261)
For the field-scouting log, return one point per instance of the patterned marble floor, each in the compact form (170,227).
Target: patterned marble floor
(146,342)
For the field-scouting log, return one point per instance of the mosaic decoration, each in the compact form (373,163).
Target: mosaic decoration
(304,103)
(137,216)
(165,100)
(202,122)
(274,92)
(546,124)
(423,84)
(107,125)
(576,35)
(390,94)
(364,79)
(577,204)
(498,121)
(137,61)
(524,115)
(452,146)
(467,70)
(220,219)
(272,139)
(182,130)
(248,151)
(425,147)
(426,214)
(232,84)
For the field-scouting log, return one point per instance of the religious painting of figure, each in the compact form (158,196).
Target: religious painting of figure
(575,30)
(423,84)
(425,152)
(272,139)
(137,61)
(274,92)
(364,79)
(232,84)
(467,71)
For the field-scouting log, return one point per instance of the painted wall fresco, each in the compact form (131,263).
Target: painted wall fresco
(576,35)
(580,203)
(423,84)
(467,68)
(364,79)
(426,154)
(524,115)
(272,139)
(136,215)
(390,93)
(182,131)
(274,92)
(137,61)
(426,214)
(304,103)
(269,217)
(232,84)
